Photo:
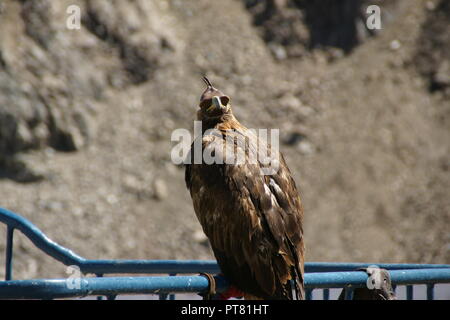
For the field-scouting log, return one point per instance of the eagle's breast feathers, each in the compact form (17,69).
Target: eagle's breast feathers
(253,221)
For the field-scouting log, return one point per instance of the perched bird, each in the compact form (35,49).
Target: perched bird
(253,219)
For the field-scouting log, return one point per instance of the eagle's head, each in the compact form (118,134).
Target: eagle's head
(213,103)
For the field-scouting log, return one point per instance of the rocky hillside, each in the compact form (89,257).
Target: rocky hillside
(86,117)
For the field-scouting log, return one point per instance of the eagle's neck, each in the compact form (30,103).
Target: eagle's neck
(223,122)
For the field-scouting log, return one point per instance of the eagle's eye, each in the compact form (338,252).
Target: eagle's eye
(224,100)
(205,103)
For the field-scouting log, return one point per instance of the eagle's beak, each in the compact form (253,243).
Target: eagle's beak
(216,104)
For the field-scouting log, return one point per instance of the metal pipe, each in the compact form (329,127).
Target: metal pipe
(430,291)
(111,286)
(409,292)
(359,278)
(9,252)
(57,288)
(326,294)
(345,266)
(308,294)
(349,293)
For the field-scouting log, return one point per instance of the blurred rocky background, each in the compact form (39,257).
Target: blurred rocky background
(86,118)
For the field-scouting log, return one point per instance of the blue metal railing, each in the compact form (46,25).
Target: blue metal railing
(108,286)
(320,275)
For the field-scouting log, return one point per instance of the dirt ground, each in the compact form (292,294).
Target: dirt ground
(364,133)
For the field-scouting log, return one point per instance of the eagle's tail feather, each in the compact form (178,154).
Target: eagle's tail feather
(296,286)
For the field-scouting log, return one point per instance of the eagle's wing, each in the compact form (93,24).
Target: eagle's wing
(253,221)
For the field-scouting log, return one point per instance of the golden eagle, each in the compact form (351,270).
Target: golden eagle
(253,220)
